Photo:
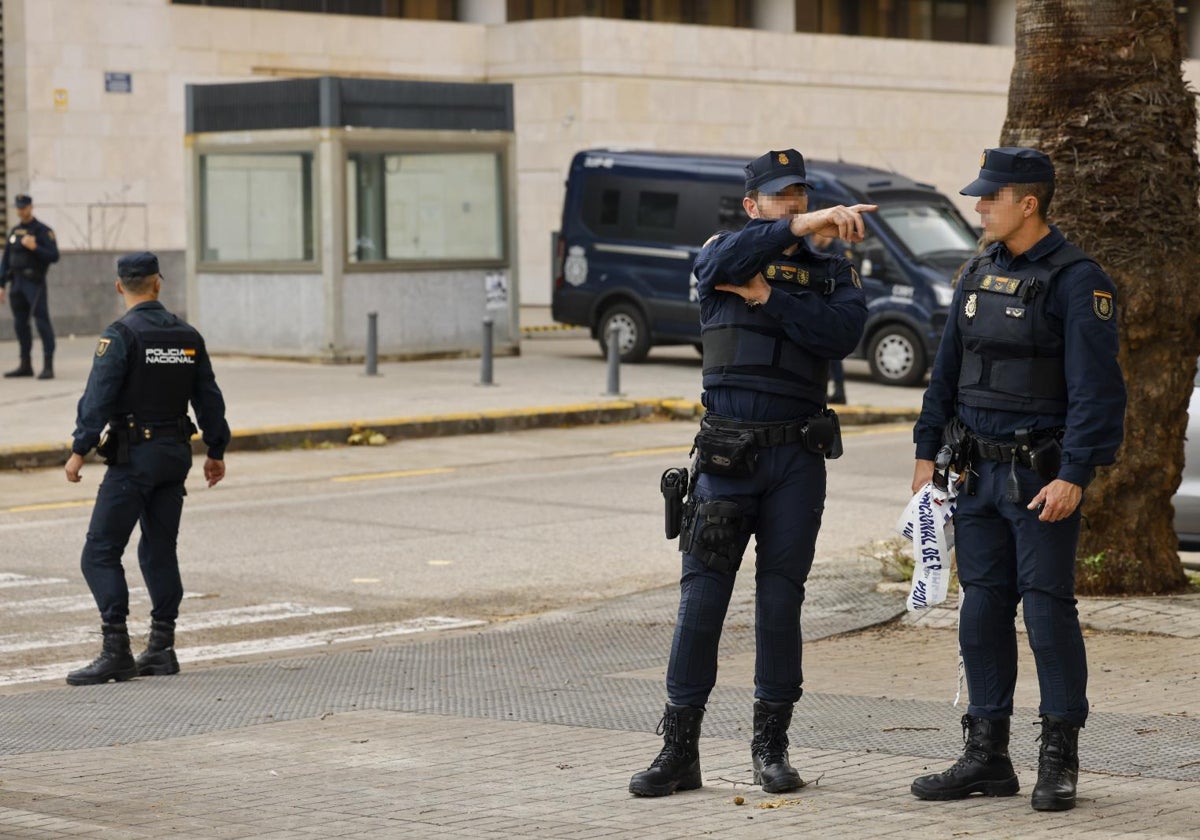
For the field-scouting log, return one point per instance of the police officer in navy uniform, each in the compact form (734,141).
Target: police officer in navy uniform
(1027,381)
(772,314)
(28,254)
(148,366)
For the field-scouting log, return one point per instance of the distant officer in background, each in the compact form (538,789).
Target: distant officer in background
(28,254)
(148,366)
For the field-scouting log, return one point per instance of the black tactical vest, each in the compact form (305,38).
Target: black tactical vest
(745,348)
(162,368)
(21,260)
(1012,350)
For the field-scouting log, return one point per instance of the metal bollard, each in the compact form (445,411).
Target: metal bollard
(485,375)
(372,343)
(614,361)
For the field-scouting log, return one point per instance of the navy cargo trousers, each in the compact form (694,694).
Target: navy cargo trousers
(781,506)
(149,490)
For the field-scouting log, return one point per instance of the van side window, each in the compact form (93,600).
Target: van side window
(602,205)
(657,210)
(667,211)
(730,213)
(610,208)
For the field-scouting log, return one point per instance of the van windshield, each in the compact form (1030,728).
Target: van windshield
(928,229)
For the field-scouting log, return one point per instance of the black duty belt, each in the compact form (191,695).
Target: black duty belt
(1003,451)
(765,434)
(153,432)
(994,451)
(179,429)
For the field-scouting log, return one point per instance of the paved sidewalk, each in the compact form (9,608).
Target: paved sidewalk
(531,728)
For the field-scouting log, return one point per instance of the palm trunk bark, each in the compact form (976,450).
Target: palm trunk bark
(1097,85)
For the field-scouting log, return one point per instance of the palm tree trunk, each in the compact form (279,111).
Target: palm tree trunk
(1097,85)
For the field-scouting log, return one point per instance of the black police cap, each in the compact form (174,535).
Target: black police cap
(1009,165)
(774,171)
(137,265)
(22,200)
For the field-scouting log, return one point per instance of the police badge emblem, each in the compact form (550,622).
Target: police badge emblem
(971,305)
(102,347)
(783,159)
(1102,304)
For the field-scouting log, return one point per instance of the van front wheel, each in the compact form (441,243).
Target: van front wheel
(633,334)
(896,356)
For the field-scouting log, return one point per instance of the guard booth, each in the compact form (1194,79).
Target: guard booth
(314,202)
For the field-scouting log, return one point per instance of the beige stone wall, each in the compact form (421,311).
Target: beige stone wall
(107,169)
(921,108)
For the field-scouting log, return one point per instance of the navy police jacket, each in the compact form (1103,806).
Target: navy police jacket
(19,261)
(816,312)
(150,364)
(1031,343)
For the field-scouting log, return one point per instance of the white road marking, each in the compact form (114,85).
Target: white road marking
(15,642)
(72,603)
(368,632)
(9,580)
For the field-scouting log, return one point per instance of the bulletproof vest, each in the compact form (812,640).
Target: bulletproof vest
(162,368)
(1012,350)
(20,259)
(745,348)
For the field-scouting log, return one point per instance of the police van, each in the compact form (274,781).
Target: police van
(633,223)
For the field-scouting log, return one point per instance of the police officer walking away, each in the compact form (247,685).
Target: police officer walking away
(148,366)
(1027,394)
(28,254)
(772,315)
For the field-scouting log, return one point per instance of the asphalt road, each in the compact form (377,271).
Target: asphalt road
(303,548)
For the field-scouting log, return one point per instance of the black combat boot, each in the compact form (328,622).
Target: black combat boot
(769,748)
(158,659)
(1058,766)
(984,767)
(838,397)
(47,368)
(23,369)
(677,767)
(115,661)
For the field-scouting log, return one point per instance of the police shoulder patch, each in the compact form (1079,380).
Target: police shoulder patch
(102,347)
(854,278)
(1102,304)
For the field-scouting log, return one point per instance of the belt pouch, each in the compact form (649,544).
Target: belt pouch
(725,452)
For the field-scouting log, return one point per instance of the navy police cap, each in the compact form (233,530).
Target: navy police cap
(1009,165)
(22,200)
(137,265)
(775,170)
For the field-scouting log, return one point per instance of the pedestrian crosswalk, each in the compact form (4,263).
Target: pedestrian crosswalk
(270,624)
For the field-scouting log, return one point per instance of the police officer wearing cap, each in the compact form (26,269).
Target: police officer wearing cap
(28,254)
(772,315)
(1028,399)
(148,366)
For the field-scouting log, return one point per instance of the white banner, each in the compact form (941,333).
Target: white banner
(928,522)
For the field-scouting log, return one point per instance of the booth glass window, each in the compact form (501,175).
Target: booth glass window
(256,207)
(417,206)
